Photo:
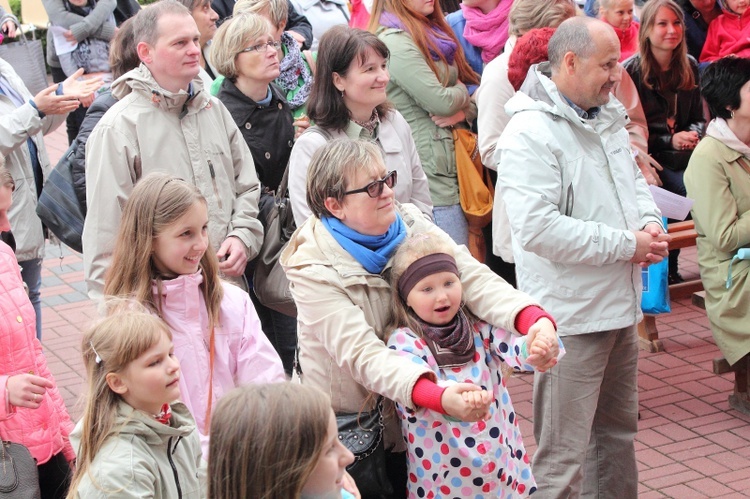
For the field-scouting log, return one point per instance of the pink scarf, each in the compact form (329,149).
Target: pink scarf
(488,32)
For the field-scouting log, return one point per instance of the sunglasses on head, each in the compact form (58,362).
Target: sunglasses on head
(375,188)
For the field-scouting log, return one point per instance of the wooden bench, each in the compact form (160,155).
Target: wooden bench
(683,236)
(739,398)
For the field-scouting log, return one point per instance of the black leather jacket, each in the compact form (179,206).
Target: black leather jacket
(656,108)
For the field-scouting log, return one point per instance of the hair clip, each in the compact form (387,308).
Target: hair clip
(98,358)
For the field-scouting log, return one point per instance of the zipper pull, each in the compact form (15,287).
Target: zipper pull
(213,181)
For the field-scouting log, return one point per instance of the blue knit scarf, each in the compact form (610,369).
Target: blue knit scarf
(372,252)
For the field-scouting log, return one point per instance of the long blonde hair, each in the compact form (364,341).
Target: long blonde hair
(680,75)
(109,347)
(266,441)
(157,201)
(412,249)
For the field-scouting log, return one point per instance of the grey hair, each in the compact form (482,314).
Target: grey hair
(232,37)
(334,165)
(146,23)
(276,10)
(573,35)
(526,15)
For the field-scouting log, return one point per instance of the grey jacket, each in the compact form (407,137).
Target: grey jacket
(145,458)
(194,138)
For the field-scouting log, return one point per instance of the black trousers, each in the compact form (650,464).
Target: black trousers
(54,477)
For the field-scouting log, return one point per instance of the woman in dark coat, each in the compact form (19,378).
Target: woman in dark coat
(246,54)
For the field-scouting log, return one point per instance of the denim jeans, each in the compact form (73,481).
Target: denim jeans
(452,220)
(31,273)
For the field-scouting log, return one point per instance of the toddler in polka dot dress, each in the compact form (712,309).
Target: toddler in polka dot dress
(448,458)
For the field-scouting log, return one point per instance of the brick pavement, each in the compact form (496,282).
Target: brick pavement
(690,443)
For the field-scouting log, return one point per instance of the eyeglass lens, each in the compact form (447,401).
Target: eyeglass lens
(375,189)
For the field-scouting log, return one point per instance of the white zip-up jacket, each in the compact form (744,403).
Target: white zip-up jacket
(573,194)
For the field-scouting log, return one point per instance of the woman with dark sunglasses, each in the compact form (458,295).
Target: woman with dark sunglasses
(348,99)
(339,266)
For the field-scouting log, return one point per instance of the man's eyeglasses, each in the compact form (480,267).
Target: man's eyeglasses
(375,188)
(263,47)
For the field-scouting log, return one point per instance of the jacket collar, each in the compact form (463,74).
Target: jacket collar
(540,93)
(312,244)
(240,106)
(141,81)
(719,130)
(180,294)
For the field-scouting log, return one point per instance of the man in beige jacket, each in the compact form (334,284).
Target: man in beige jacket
(166,121)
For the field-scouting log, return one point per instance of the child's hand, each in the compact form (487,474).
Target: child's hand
(467,402)
(542,344)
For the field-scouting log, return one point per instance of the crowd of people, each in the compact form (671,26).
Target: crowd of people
(187,117)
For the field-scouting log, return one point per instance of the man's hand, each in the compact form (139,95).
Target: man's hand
(651,245)
(232,257)
(27,390)
(543,346)
(9,28)
(467,402)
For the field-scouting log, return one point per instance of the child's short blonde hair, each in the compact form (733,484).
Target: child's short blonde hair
(276,10)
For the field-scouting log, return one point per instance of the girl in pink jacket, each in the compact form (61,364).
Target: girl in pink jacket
(163,259)
(32,412)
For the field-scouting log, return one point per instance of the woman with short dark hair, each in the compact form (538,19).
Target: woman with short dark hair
(718,179)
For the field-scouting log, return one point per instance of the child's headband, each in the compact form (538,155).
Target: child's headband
(421,268)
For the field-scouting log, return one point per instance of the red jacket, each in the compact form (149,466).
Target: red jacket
(628,40)
(44,430)
(728,34)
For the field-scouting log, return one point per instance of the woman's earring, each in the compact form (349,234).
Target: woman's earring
(342,95)
(731,114)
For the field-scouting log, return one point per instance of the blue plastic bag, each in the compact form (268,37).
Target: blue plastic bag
(655,299)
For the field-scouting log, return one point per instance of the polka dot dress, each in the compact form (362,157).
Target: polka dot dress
(453,459)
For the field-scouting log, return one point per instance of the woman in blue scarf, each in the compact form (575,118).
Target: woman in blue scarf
(338,263)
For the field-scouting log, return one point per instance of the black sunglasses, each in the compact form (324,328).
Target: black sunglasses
(375,188)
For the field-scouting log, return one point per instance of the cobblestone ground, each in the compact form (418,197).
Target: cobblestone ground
(690,443)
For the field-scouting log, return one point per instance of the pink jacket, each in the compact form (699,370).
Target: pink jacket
(728,34)
(44,430)
(242,355)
